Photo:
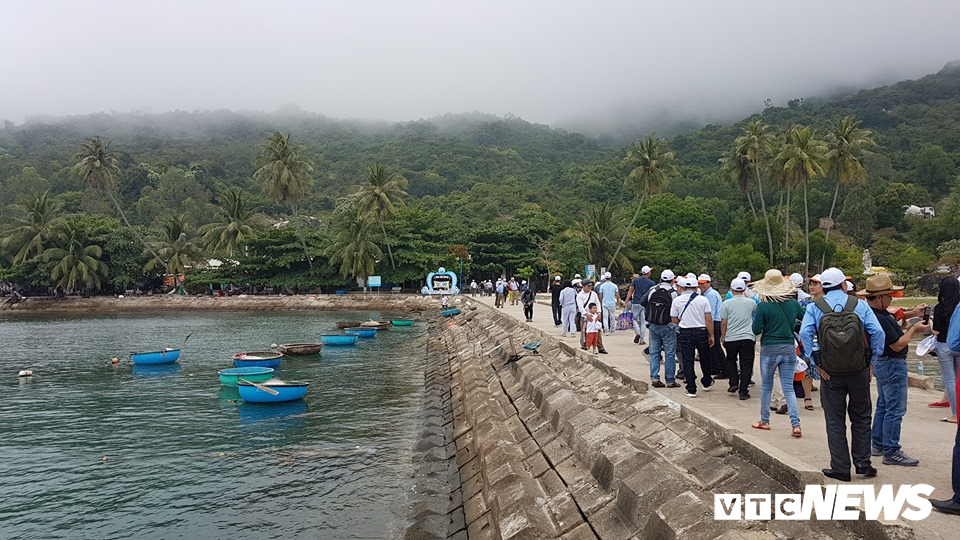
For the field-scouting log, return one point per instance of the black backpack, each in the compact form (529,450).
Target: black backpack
(843,348)
(658,306)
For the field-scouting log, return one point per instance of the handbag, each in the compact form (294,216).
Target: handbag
(625,320)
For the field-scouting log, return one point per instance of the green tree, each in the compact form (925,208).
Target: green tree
(737,258)
(847,145)
(756,145)
(76,264)
(803,157)
(379,197)
(354,248)
(175,247)
(738,167)
(99,168)
(650,165)
(27,238)
(235,221)
(285,176)
(599,229)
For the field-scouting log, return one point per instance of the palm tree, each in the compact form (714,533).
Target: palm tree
(354,248)
(40,216)
(175,247)
(285,176)
(233,223)
(77,265)
(98,168)
(380,197)
(803,157)
(738,167)
(649,162)
(599,229)
(755,145)
(847,144)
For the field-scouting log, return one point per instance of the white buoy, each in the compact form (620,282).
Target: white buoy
(25,373)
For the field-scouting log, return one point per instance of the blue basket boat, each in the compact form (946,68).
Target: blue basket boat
(450,312)
(166,356)
(339,339)
(286,391)
(362,332)
(228,377)
(270,359)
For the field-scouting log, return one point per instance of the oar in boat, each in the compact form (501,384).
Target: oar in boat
(266,389)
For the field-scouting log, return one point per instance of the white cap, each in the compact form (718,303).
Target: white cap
(691,275)
(576,281)
(667,275)
(607,275)
(690,282)
(745,276)
(556,278)
(849,286)
(796,279)
(831,277)
(646,270)
(704,278)
(524,282)
(577,276)
(738,285)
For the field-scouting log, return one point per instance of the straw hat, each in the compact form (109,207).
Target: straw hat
(877,285)
(773,286)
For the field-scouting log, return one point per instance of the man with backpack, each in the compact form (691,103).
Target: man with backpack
(842,324)
(638,290)
(663,336)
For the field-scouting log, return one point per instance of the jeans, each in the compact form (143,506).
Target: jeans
(785,364)
(639,325)
(842,396)
(609,319)
(949,367)
(744,349)
(557,312)
(693,341)
(569,319)
(891,374)
(663,338)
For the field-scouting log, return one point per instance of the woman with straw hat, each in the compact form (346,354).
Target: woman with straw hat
(775,319)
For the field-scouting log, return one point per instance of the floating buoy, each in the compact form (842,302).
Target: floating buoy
(105,459)
(114,360)
(25,373)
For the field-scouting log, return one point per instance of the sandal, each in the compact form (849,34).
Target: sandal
(939,404)
(808,404)
(761,425)
(796,432)
(948,420)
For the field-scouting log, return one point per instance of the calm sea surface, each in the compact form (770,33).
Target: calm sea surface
(185,457)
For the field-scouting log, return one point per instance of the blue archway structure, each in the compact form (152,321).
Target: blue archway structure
(441,282)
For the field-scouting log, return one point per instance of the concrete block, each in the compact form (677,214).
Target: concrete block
(474,508)
(610,525)
(708,423)
(688,516)
(456,521)
(519,511)
(583,532)
(782,467)
(588,494)
(642,493)
(641,425)
(706,469)
(561,505)
(536,465)
(482,528)
(557,451)
(696,437)
(920,381)
(618,460)
(583,422)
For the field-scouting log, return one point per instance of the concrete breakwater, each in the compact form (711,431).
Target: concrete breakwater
(557,445)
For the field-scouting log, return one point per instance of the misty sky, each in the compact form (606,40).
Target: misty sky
(546,61)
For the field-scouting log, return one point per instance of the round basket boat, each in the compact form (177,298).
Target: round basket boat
(348,324)
(339,339)
(361,331)
(376,325)
(166,356)
(270,359)
(401,322)
(300,349)
(450,312)
(285,391)
(228,377)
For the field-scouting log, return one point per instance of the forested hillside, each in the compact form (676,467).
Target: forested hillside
(292,199)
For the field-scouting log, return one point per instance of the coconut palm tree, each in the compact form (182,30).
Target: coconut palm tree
(354,248)
(847,144)
(40,216)
(600,228)
(649,162)
(738,167)
(175,247)
(285,176)
(234,222)
(755,145)
(380,196)
(77,265)
(99,168)
(803,157)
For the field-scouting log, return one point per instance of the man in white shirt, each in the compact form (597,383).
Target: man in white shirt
(692,313)
(586,297)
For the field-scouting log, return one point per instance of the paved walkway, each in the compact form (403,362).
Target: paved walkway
(923,435)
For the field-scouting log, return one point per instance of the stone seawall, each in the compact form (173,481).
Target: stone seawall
(556,445)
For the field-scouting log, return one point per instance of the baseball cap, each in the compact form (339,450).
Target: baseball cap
(587,283)
(556,278)
(796,279)
(831,277)
(646,269)
(667,275)
(816,277)
(738,285)
(691,275)
(524,282)
(849,285)
(577,276)
(704,278)
(607,275)
(745,276)
(691,282)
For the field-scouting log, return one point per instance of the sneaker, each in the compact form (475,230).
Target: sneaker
(642,342)
(602,351)
(646,351)
(636,338)
(679,376)
(563,334)
(688,394)
(867,471)
(744,396)
(752,383)
(876,452)
(709,386)
(899,458)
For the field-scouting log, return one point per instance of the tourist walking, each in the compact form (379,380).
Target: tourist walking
(568,307)
(844,369)
(585,297)
(718,360)
(947,300)
(736,332)
(890,369)
(609,300)
(473,288)
(776,316)
(528,297)
(513,290)
(691,312)
(663,334)
(638,290)
(555,289)
(501,292)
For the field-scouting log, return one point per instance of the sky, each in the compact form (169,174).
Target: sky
(557,62)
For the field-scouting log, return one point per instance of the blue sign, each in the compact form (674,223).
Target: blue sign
(373,281)
(441,282)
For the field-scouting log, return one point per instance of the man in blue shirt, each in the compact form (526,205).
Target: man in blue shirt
(836,390)
(639,288)
(718,359)
(609,299)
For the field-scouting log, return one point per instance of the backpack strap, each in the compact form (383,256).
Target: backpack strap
(851,304)
(824,306)
(692,296)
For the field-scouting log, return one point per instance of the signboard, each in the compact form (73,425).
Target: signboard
(590,270)
(441,282)
(374,281)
